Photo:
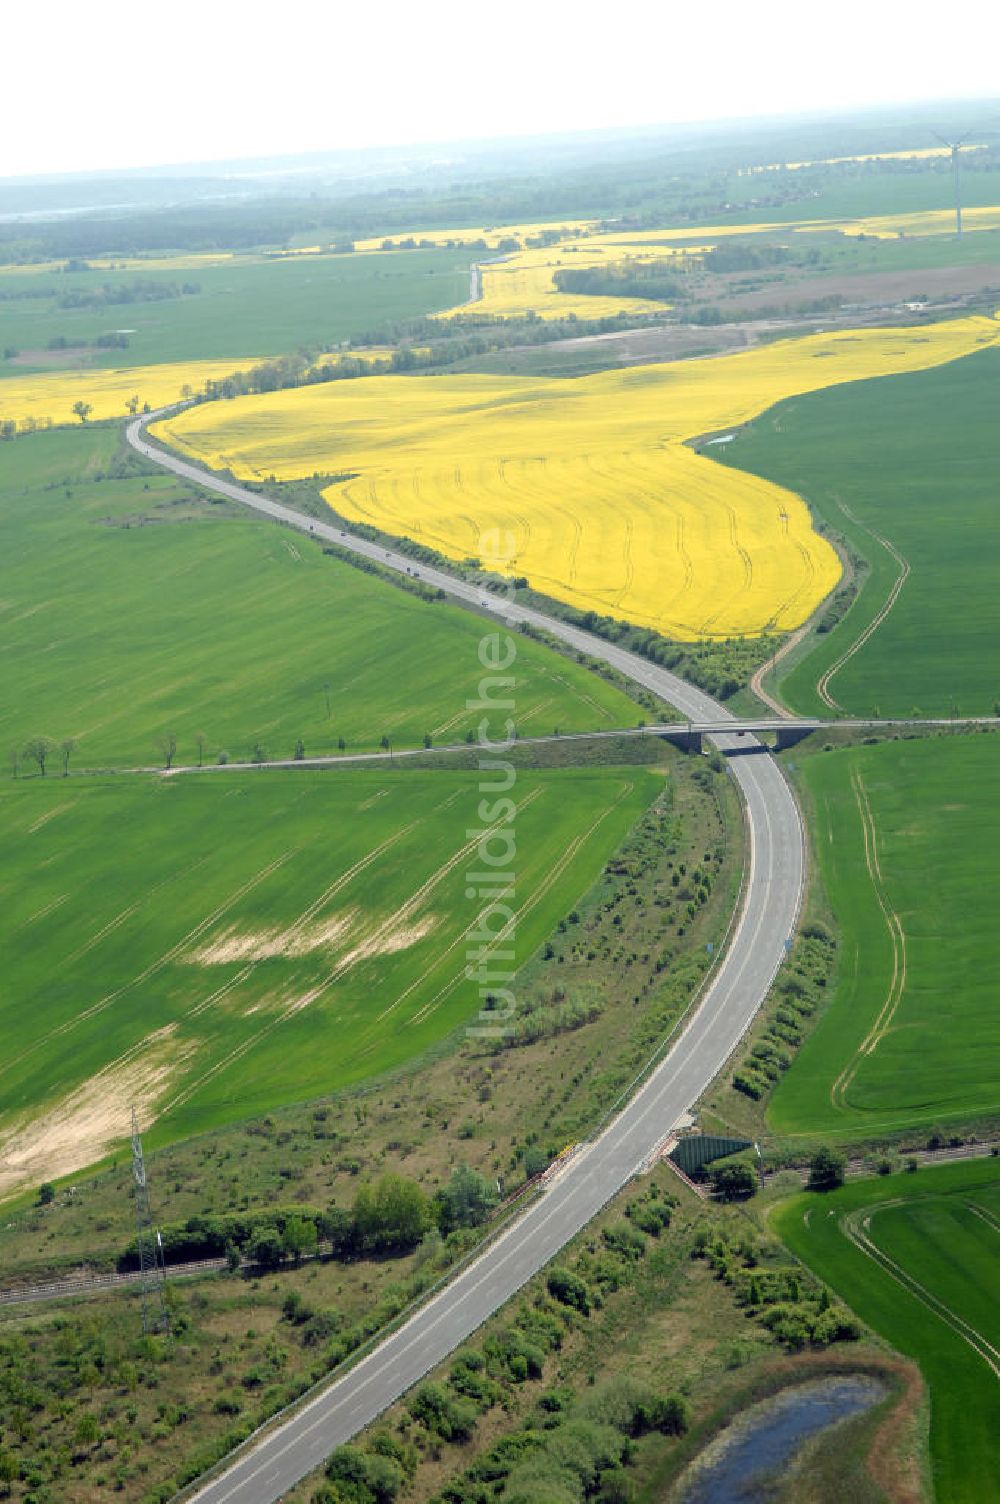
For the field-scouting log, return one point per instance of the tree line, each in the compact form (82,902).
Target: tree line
(140,290)
(622,279)
(389,1217)
(39,750)
(720,666)
(114,339)
(11,428)
(310,368)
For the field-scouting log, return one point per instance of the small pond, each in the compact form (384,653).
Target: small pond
(745,1463)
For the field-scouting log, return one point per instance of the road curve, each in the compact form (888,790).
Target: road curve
(772,892)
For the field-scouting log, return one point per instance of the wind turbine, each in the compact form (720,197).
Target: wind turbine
(955,147)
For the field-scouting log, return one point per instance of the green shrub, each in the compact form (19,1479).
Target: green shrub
(535,1161)
(835,1325)
(443,1415)
(468,1379)
(800,990)
(466,1201)
(671,1415)
(585,1447)
(625,1240)
(364,1477)
(733,1182)
(320,1326)
(504,1455)
(826,1170)
(266,1247)
(391,1216)
(511,1355)
(634,1408)
(616,1487)
(791,1324)
(649,1216)
(569,1289)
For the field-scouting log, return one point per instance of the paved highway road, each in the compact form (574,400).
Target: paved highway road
(774,879)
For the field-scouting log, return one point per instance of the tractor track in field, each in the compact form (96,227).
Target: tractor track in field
(856,1227)
(897,940)
(823,683)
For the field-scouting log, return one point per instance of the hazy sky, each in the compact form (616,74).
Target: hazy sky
(115,85)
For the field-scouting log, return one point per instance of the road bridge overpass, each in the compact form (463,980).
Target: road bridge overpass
(788,730)
(686,735)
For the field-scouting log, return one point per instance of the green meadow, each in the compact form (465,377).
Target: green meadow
(130,611)
(916,1256)
(211,946)
(851,255)
(843,193)
(912,459)
(245,308)
(907,838)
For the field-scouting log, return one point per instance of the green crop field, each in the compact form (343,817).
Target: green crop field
(911,458)
(847,254)
(917,1257)
(907,837)
(244,308)
(918,253)
(212,946)
(843,193)
(129,612)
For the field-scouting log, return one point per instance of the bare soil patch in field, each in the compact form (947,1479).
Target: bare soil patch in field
(661,342)
(57,360)
(260,945)
(85,1124)
(938,284)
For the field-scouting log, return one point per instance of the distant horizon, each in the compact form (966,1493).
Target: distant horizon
(128,94)
(312,158)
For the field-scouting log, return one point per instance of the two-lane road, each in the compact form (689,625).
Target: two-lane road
(772,891)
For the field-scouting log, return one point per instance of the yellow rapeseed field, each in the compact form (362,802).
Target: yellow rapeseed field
(524,281)
(491,234)
(607,506)
(913,155)
(189,262)
(49,398)
(919,222)
(369,355)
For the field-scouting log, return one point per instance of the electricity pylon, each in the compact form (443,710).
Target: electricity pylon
(152,1272)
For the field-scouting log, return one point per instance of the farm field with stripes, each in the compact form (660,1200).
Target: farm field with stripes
(913,492)
(916,1257)
(905,838)
(592,480)
(112,634)
(258,940)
